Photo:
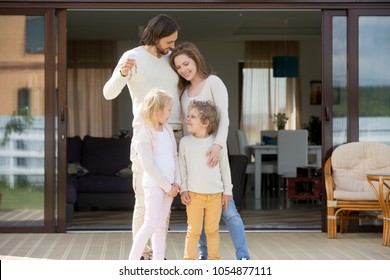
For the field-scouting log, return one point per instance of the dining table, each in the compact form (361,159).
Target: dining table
(382,192)
(259,150)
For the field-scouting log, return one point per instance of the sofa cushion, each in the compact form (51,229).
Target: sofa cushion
(71,194)
(105,184)
(105,156)
(352,162)
(72,180)
(73,149)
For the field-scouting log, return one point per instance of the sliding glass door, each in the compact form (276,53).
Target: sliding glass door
(356,78)
(27,108)
(374,77)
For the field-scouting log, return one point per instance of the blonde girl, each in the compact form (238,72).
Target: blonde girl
(157,151)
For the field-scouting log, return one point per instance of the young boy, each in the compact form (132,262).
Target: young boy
(204,190)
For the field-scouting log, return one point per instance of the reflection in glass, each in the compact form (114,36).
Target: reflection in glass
(339,86)
(21,121)
(374,79)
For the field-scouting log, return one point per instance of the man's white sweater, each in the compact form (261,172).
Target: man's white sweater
(151,72)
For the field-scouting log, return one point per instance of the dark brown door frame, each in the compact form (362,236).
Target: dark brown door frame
(50,92)
(326,114)
(62,120)
(49,104)
(51,224)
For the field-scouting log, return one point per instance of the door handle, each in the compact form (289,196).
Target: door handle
(327,113)
(63,113)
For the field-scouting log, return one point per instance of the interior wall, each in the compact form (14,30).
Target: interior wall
(123,101)
(223,57)
(311,70)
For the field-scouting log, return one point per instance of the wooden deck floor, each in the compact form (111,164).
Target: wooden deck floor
(262,246)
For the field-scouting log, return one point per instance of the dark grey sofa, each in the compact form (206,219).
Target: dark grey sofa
(104,186)
(108,182)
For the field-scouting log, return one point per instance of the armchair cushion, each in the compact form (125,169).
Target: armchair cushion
(352,162)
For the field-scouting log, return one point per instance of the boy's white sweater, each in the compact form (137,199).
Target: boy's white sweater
(196,175)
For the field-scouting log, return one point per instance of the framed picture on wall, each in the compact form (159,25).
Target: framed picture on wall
(315,92)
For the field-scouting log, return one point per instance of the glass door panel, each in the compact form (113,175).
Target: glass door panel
(22,121)
(374,79)
(357,84)
(339,79)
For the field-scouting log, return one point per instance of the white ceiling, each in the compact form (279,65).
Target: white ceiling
(197,25)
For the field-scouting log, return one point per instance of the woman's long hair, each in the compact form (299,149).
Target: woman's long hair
(190,50)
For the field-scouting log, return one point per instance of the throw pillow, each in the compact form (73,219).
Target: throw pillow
(76,169)
(124,172)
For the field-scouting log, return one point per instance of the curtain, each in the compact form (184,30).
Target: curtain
(89,67)
(262,95)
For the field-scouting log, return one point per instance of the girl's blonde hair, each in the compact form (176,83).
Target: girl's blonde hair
(154,101)
(208,113)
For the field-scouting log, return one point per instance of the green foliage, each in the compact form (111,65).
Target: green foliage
(373,101)
(21,198)
(315,130)
(19,121)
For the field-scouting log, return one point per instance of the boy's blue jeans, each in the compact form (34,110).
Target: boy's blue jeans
(237,233)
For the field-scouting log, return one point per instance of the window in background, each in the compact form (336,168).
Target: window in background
(90,65)
(263,95)
(34,34)
(20,145)
(24,95)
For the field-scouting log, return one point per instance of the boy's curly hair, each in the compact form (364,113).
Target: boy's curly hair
(208,113)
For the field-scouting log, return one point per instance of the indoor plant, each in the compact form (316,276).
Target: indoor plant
(314,129)
(280,119)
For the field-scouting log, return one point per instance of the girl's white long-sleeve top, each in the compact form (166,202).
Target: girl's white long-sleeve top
(145,142)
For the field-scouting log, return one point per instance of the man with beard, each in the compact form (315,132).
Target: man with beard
(143,68)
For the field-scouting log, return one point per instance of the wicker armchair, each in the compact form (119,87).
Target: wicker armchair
(347,188)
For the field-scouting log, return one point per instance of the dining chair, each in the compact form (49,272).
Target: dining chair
(292,153)
(238,164)
(244,149)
